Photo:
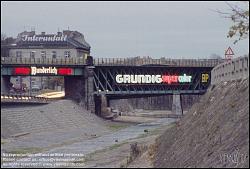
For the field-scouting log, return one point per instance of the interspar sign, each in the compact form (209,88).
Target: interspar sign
(152,79)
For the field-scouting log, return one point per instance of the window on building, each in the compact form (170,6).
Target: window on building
(43,54)
(67,54)
(32,54)
(18,53)
(53,54)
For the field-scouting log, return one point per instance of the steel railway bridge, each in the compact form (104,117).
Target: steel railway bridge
(91,80)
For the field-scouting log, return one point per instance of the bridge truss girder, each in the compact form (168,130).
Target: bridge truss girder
(105,83)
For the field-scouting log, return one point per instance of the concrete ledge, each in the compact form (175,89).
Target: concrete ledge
(237,68)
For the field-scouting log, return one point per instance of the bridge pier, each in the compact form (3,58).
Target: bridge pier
(104,105)
(176,105)
(5,84)
(97,101)
(74,87)
(89,88)
(101,106)
(81,88)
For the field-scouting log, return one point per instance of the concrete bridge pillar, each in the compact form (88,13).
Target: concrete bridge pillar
(5,84)
(74,87)
(101,106)
(89,88)
(104,104)
(98,102)
(176,105)
(81,88)
(105,109)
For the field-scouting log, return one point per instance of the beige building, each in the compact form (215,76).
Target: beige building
(66,44)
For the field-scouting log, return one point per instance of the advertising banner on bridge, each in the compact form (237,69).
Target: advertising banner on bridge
(112,80)
(42,71)
(153,79)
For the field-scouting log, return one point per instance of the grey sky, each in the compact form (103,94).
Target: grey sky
(127,29)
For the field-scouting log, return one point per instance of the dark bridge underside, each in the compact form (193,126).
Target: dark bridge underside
(143,95)
(105,81)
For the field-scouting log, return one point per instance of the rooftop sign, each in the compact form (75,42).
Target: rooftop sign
(35,38)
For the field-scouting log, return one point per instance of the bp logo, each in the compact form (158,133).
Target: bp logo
(204,77)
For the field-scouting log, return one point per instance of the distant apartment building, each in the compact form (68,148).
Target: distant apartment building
(66,44)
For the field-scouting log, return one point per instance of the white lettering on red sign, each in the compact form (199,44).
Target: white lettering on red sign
(43,70)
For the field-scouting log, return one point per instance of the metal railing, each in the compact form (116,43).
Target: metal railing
(23,98)
(237,68)
(114,61)
(47,61)
(162,61)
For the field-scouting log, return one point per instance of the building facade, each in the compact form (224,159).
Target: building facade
(66,44)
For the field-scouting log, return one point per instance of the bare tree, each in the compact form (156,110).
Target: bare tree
(240,17)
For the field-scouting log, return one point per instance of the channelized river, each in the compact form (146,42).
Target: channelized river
(89,146)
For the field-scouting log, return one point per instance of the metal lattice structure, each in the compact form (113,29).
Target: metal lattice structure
(137,61)
(105,82)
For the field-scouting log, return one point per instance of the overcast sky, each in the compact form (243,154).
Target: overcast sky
(128,29)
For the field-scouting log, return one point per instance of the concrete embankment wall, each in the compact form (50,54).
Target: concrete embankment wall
(214,133)
(237,68)
(59,115)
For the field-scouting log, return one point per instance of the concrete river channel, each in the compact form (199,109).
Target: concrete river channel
(83,148)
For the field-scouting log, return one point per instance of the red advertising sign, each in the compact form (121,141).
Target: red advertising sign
(21,71)
(65,71)
(43,70)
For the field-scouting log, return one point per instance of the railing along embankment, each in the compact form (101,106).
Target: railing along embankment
(237,68)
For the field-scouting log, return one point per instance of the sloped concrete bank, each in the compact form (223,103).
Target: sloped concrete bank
(59,115)
(214,133)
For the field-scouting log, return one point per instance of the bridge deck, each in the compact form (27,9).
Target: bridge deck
(156,62)
(133,61)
